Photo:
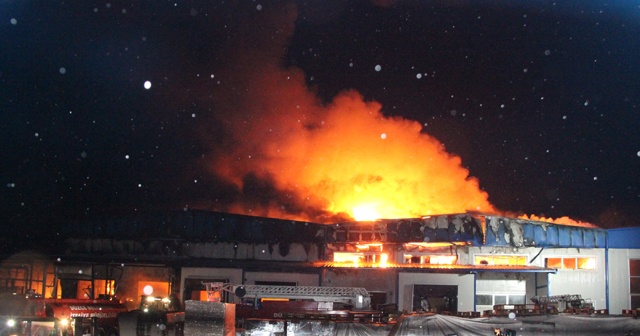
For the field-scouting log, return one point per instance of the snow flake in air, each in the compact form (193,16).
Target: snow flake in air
(383,136)
(259,7)
(378,67)
(13,21)
(63,70)
(147,85)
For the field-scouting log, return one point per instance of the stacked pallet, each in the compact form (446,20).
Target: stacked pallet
(520,310)
(631,312)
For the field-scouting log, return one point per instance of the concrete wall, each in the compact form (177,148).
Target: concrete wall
(465,283)
(301,279)
(619,292)
(267,252)
(374,280)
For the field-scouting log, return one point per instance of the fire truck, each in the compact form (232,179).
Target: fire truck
(83,304)
(17,318)
(78,302)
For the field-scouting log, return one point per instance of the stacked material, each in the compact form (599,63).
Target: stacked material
(209,318)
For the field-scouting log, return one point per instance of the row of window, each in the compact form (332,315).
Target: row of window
(497,299)
(566,263)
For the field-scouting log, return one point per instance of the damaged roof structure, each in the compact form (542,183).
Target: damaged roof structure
(476,259)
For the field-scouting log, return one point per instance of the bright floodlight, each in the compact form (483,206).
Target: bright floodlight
(147,290)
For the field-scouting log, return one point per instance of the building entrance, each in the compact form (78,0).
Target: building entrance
(435,298)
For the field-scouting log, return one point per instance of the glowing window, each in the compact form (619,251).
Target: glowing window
(587,263)
(104,287)
(554,262)
(569,263)
(501,260)
(572,263)
(348,257)
(356,258)
(430,259)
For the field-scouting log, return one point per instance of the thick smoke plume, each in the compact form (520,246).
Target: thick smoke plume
(289,156)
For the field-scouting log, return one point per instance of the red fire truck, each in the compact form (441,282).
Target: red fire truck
(77,303)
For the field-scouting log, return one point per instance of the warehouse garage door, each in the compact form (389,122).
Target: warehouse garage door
(435,298)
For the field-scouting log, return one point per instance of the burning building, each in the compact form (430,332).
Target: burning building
(466,262)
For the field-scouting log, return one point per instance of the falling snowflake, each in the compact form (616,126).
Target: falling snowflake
(147,85)
(378,67)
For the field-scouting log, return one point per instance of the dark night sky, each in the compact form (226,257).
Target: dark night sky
(539,99)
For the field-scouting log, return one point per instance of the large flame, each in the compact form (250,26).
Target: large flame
(355,161)
(290,155)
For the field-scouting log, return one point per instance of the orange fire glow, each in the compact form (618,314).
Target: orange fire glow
(290,155)
(561,220)
(358,162)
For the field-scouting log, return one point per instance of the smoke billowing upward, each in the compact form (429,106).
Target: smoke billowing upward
(292,157)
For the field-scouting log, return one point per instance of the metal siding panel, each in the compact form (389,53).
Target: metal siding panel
(624,238)
(553,236)
(496,237)
(589,238)
(564,236)
(490,236)
(540,235)
(576,237)
(528,234)
(601,239)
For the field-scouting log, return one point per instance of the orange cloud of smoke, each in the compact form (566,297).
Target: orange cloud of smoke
(291,156)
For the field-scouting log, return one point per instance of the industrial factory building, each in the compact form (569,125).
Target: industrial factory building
(455,263)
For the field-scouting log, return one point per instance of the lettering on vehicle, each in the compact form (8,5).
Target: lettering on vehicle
(92,311)
(98,315)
